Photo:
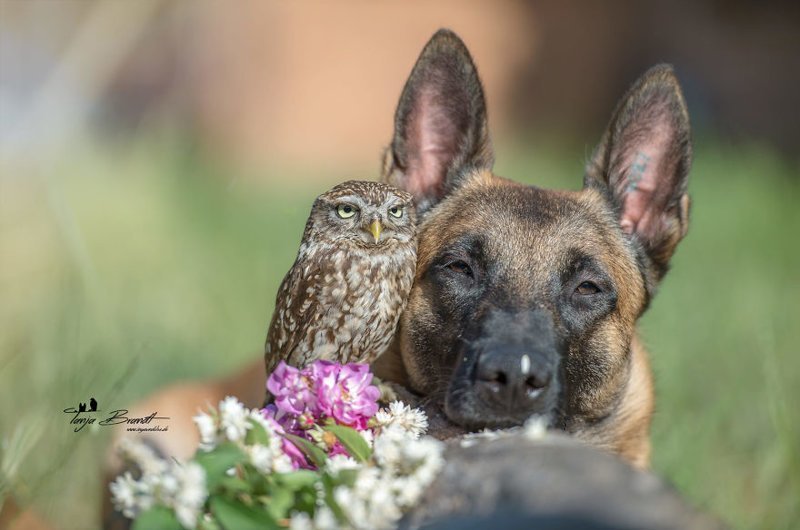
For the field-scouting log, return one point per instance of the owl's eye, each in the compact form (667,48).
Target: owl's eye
(345,211)
(396,211)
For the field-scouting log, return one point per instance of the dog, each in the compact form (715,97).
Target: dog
(525,300)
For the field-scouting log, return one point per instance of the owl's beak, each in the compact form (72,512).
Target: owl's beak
(375,229)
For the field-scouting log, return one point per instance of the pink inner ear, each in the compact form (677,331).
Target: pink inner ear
(433,137)
(642,184)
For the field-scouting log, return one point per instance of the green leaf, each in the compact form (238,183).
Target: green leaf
(305,500)
(328,485)
(219,460)
(208,523)
(157,518)
(296,480)
(234,515)
(280,502)
(347,477)
(257,434)
(234,484)
(352,441)
(259,483)
(314,453)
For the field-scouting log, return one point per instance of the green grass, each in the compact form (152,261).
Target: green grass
(127,269)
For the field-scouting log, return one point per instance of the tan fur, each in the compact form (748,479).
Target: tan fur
(629,216)
(626,432)
(13,517)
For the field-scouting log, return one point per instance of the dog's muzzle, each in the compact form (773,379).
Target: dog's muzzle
(508,373)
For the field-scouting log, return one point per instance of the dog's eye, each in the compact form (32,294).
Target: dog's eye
(460,267)
(587,288)
(345,211)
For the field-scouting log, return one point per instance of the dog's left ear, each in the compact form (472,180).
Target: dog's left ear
(440,131)
(642,165)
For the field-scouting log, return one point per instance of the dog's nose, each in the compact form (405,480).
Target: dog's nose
(512,379)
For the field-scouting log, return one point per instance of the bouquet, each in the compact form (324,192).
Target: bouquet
(322,455)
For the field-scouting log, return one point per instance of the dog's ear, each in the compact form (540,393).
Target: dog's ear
(440,128)
(642,165)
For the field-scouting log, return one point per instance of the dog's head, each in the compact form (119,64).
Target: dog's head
(525,300)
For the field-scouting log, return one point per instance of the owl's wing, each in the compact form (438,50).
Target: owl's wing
(296,309)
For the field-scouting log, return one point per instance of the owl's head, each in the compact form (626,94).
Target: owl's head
(366,213)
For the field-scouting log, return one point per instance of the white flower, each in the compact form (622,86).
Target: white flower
(366,481)
(383,417)
(300,521)
(208,430)
(278,462)
(267,460)
(136,451)
(408,489)
(388,445)
(131,496)
(423,449)
(412,420)
(372,501)
(261,457)
(233,419)
(338,463)
(403,467)
(383,511)
(187,515)
(324,519)
(368,436)
(192,479)
(123,494)
(256,416)
(167,484)
(281,463)
(191,494)
(352,506)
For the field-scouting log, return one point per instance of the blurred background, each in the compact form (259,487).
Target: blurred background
(158,160)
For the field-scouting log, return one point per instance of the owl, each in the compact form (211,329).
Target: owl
(344,295)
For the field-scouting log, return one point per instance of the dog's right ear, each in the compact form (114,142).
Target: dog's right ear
(642,165)
(440,128)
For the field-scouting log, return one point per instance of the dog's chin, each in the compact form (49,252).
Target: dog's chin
(464,407)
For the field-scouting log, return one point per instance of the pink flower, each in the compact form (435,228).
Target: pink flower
(338,449)
(309,397)
(345,393)
(295,455)
(271,413)
(293,389)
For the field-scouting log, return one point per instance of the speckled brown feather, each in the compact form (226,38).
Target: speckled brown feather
(342,298)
